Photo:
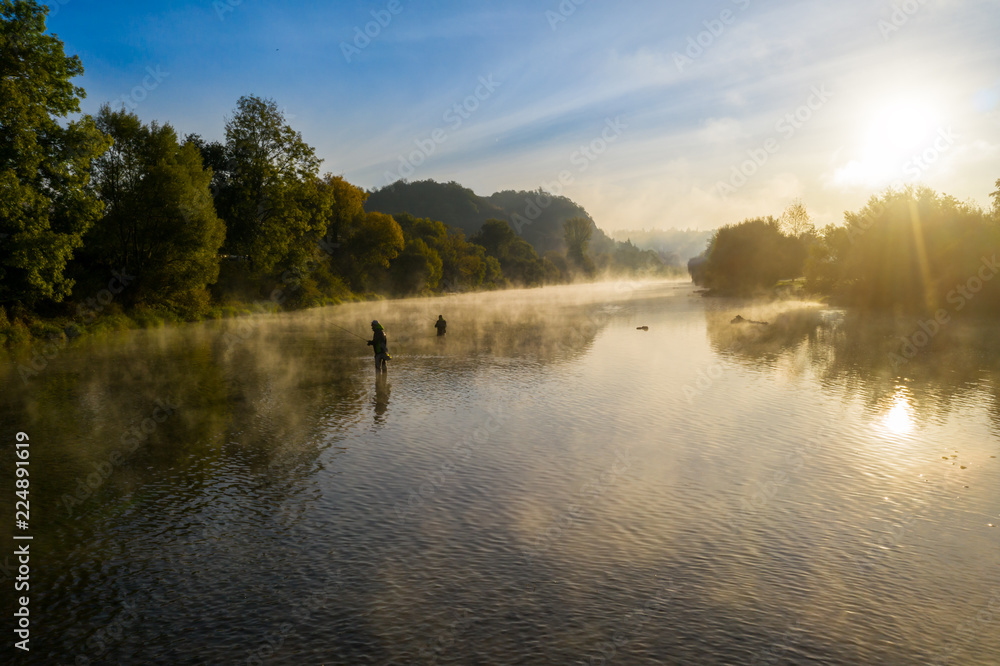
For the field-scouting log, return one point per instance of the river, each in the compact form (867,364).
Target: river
(546,484)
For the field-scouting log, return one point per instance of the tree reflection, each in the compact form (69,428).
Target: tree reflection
(864,354)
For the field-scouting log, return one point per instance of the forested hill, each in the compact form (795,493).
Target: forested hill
(536,216)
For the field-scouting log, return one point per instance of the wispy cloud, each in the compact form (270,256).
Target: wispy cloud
(687,126)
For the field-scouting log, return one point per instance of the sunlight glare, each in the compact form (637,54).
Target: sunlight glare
(902,126)
(893,137)
(899,418)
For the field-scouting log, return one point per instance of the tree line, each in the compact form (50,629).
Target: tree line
(184,228)
(909,249)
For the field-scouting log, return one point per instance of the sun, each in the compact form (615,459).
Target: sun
(902,127)
(893,135)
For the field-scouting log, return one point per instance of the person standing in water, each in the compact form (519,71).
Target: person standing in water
(380,344)
(441,325)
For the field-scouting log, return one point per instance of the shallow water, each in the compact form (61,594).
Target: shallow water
(545,484)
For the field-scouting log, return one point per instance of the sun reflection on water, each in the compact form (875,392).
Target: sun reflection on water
(899,419)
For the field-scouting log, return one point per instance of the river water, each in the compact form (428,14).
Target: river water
(546,484)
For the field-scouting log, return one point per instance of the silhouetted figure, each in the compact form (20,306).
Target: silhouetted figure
(441,325)
(380,344)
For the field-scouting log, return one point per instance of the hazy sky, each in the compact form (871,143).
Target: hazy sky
(643,108)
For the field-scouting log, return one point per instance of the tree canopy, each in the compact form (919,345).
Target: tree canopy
(159,224)
(752,255)
(46,204)
(577,232)
(273,207)
(906,248)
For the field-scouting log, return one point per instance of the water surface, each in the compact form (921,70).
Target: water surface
(545,484)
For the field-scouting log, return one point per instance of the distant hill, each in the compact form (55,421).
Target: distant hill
(675,246)
(535,216)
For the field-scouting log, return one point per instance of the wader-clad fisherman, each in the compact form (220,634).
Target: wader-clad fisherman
(441,325)
(380,344)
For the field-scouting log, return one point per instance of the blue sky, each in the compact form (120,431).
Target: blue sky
(653,114)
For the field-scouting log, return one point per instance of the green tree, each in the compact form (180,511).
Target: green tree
(995,196)
(495,236)
(46,205)
(368,250)
(493,277)
(916,247)
(267,199)
(558,261)
(752,255)
(159,223)
(697,267)
(824,265)
(463,263)
(518,260)
(214,156)
(417,269)
(577,232)
(628,258)
(348,208)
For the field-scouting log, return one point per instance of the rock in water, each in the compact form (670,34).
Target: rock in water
(738,319)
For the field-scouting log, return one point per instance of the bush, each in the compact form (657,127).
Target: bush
(753,255)
(13,334)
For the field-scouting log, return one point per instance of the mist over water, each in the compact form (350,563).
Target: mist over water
(544,484)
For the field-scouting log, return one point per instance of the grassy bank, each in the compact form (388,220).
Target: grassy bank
(20,328)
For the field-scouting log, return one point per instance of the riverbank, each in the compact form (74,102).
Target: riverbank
(21,329)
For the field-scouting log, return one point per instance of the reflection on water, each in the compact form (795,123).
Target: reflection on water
(382,392)
(899,417)
(548,483)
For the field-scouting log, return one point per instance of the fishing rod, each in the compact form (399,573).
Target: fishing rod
(351,332)
(347,330)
